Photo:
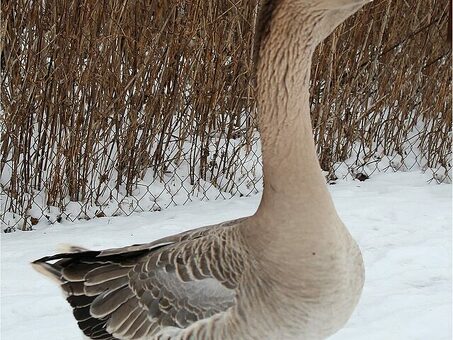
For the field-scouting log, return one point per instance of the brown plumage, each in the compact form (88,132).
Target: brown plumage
(290,271)
(132,292)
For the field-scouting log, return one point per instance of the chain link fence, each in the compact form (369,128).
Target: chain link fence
(116,107)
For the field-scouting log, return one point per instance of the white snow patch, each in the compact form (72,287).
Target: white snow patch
(401,222)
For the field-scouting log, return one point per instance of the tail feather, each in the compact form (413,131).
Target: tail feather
(73,288)
(86,277)
(96,284)
(48,270)
(96,289)
(76,272)
(78,301)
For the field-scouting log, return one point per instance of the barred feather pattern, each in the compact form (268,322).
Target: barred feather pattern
(137,291)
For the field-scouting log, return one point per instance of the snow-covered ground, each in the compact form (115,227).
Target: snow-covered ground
(401,222)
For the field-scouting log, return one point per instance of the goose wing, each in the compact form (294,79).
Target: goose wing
(136,291)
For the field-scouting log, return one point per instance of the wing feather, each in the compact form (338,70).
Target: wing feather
(136,291)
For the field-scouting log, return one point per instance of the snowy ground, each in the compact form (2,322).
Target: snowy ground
(402,224)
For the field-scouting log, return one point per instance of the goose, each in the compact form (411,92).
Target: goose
(290,271)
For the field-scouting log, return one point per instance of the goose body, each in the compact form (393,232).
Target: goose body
(290,271)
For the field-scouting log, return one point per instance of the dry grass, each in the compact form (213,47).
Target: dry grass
(95,93)
(383,81)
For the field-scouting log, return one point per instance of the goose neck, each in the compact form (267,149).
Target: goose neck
(293,181)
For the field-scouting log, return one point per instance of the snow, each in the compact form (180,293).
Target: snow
(401,222)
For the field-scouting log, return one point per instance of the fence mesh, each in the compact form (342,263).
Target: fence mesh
(112,107)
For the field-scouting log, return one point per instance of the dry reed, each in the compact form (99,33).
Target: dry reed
(95,94)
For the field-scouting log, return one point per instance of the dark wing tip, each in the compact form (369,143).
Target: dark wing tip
(48,270)
(64,256)
(54,270)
